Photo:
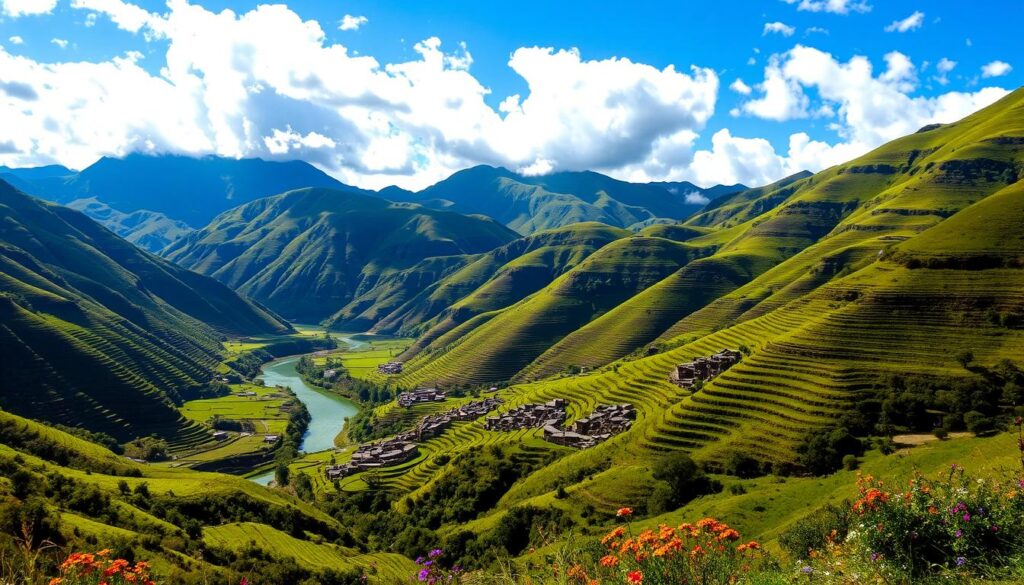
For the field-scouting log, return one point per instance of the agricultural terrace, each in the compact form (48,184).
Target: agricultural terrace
(248,415)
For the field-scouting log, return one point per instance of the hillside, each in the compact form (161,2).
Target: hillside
(310,252)
(106,335)
(473,284)
(892,264)
(529,204)
(86,498)
(148,230)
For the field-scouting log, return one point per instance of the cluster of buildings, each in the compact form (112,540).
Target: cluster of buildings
(373,455)
(402,447)
(390,368)
(604,422)
(432,425)
(408,399)
(528,416)
(703,368)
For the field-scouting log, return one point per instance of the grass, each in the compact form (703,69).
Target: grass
(388,567)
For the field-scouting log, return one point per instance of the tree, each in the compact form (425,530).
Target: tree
(683,481)
(964,358)
(281,474)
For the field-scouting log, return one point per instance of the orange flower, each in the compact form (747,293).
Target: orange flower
(933,510)
(624,512)
(619,531)
(609,561)
(56,581)
(635,577)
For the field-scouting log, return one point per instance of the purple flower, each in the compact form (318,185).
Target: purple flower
(424,574)
(435,553)
(419,560)
(874,557)
(807,570)
(967,517)
(959,533)
(427,563)
(960,561)
(456,569)
(994,528)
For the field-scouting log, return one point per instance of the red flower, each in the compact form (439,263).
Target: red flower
(635,577)
(624,512)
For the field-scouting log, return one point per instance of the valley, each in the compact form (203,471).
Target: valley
(316,383)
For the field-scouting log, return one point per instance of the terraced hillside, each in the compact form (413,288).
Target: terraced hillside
(912,255)
(96,333)
(310,252)
(498,344)
(496,280)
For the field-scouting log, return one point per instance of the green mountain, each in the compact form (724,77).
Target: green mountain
(148,230)
(530,204)
(97,333)
(479,284)
(310,252)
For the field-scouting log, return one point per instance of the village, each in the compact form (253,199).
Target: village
(408,399)
(604,422)
(390,368)
(402,447)
(703,368)
(528,416)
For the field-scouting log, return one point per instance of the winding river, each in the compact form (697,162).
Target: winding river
(327,411)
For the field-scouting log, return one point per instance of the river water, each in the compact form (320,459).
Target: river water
(327,411)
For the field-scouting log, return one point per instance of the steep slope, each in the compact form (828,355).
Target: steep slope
(497,280)
(310,252)
(532,203)
(98,333)
(496,345)
(148,230)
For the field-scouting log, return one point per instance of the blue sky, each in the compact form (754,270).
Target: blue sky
(793,56)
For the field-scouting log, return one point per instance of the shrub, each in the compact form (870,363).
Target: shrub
(683,480)
(830,523)
(978,422)
(849,462)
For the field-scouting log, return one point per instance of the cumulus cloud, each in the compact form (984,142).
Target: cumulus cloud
(778,28)
(16,8)
(869,109)
(350,22)
(740,87)
(995,69)
(16,40)
(944,66)
(912,22)
(62,43)
(833,6)
(267,83)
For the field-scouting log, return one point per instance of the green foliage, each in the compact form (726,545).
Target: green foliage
(829,523)
(823,452)
(146,448)
(681,480)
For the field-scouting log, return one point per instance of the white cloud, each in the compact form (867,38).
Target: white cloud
(816,30)
(868,109)
(266,83)
(126,16)
(778,28)
(833,6)
(944,66)
(695,198)
(16,8)
(16,40)
(912,22)
(350,22)
(62,43)
(995,69)
(739,87)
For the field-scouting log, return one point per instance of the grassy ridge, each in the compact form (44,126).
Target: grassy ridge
(107,336)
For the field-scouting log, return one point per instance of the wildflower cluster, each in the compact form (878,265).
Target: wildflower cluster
(705,553)
(99,569)
(953,524)
(432,573)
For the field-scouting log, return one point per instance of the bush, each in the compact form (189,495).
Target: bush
(977,422)
(829,523)
(823,452)
(941,433)
(849,462)
(683,480)
(743,466)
